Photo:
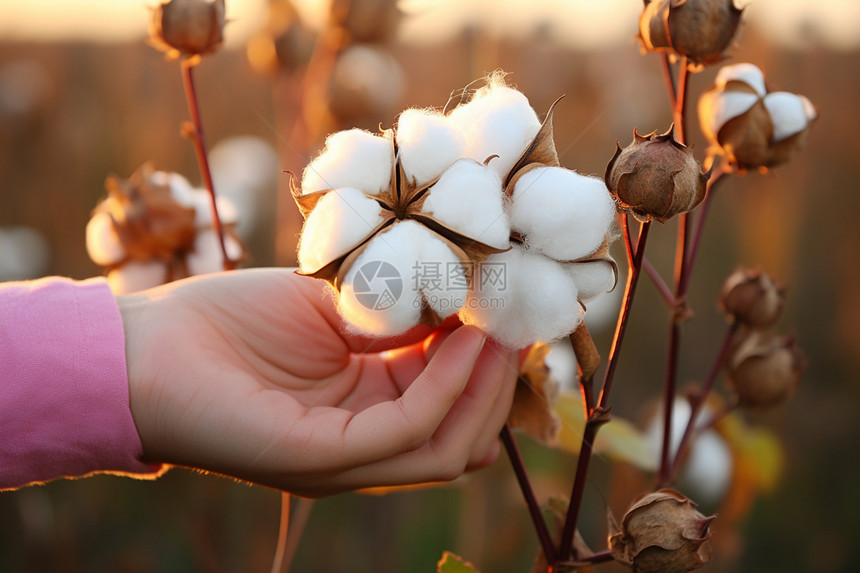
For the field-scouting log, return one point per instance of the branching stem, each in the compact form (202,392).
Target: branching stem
(519,466)
(195,134)
(600,414)
(700,401)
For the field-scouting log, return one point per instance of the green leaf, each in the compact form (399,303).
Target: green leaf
(451,563)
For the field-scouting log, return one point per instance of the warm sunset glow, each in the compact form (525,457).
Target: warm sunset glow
(575,23)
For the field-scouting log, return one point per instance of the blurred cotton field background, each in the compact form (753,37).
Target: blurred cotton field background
(82,97)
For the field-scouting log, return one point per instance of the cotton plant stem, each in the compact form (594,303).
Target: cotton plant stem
(662,288)
(195,133)
(718,175)
(600,414)
(301,513)
(699,402)
(541,528)
(679,113)
(283,529)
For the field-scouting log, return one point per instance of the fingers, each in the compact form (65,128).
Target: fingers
(467,438)
(390,428)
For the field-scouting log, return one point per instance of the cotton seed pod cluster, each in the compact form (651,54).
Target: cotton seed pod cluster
(662,532)
(750,125)
(701,30)
(765,370)
(656,177)
(187,27)
(464,213)
(750,297)
(154,228)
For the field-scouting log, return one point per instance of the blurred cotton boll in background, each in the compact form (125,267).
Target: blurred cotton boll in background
(707,472)
(245,172)
(24,254)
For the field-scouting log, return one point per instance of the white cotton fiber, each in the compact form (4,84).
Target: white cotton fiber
(497,121)
(180,188)
(381,293)
(717,108)
(708,468)
(519,298)
(427,144)
(339,222)
(201,202)
(469,199)
(103,244)
(788,113)
(561,213)
(749,74)
(207,257)
(353,158)
(136,276)
(592,279)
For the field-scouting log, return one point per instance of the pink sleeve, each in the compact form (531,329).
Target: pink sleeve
(64,400)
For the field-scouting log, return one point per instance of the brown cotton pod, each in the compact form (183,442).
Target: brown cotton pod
(765,370)
(662,532)
(701,30)
(191,27)
(149,222)
(366,21)
(750,297)
(656,177)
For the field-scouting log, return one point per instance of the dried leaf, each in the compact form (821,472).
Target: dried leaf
(532,410)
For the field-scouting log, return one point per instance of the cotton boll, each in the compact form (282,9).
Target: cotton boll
(245,171)
(717,108)
(136,276)
(562,365)
(207,257)
(592,279)
(201,202)
(427,144)
(498,121)
(24,253)
(789,114)
(708,471)
(382,291)
(180,188)
(103,244)
(376,296)
(353,158)
(602,311)
(469,199)
(340,221)
(561,213)
(519,298)
(749,74)
(709,465)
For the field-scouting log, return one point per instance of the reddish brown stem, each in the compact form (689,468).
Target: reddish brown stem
(199,142)
(720,172)
(662,288)
(541,529)
(700,400)
(679,113)
(600,413)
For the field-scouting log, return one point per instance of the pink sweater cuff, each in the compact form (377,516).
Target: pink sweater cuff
(64,399)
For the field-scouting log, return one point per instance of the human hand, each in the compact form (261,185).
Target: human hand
(251,374)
